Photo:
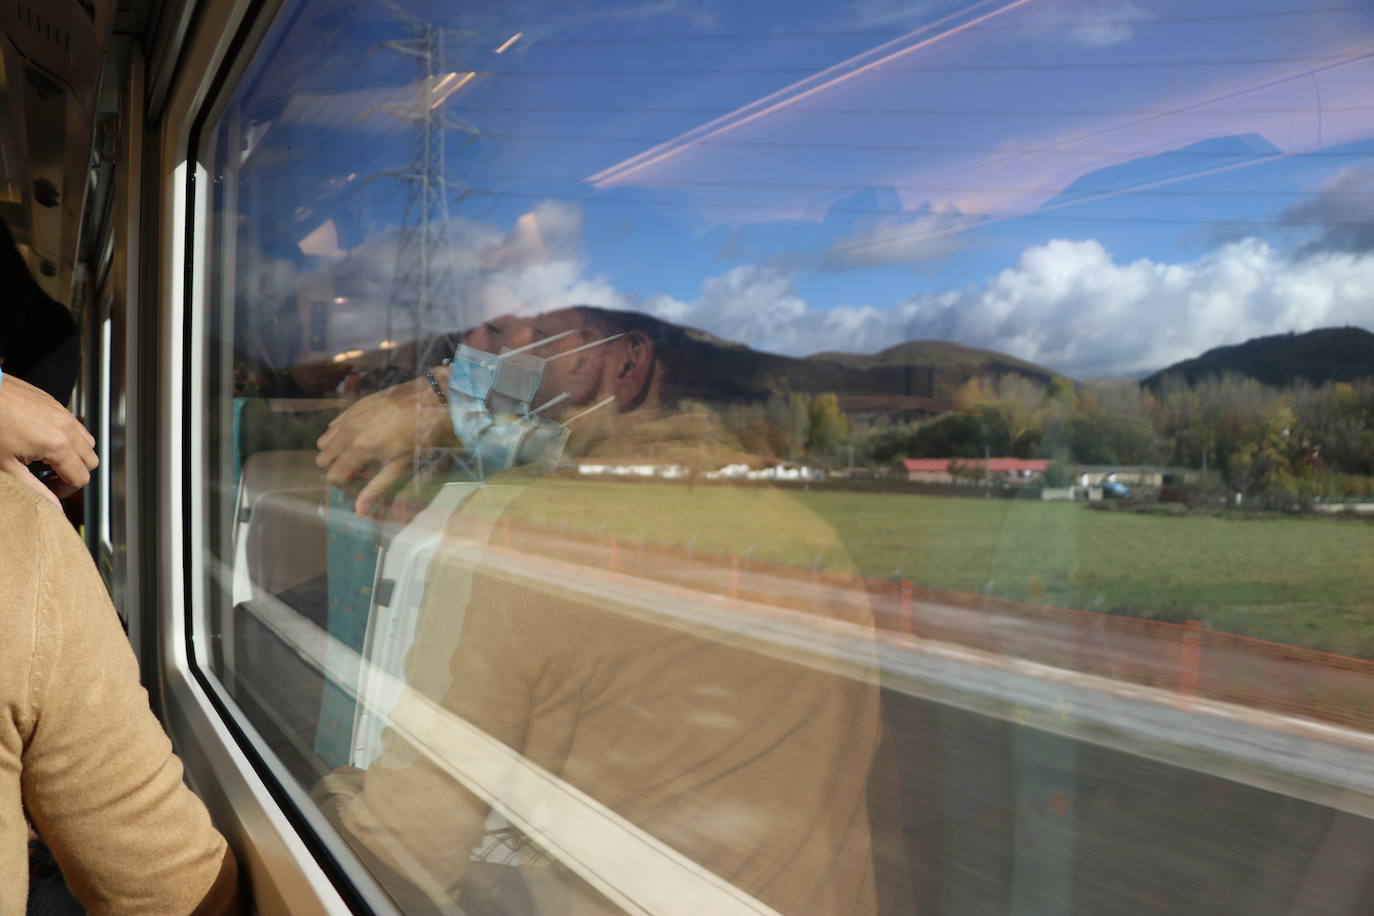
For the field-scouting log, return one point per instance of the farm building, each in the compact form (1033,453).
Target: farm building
(1131,475)
(1005,470)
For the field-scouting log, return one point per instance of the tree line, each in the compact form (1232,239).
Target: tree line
(1279,444)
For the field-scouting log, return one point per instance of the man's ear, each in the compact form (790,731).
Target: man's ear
(634,370)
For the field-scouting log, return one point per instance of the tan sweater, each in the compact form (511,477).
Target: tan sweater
(751,764)
(80,751)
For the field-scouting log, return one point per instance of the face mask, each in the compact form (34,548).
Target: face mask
(489,396)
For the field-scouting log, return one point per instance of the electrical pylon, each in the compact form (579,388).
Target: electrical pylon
(422,286)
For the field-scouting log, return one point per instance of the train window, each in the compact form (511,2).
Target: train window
(875,457)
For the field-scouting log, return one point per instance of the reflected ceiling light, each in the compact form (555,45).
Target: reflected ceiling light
(323,240)
(508,42)
(387,344)
(442,83)
(346,355)
(447,86)
(340,300)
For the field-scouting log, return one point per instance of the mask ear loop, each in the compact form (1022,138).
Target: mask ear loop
(596,406)
(564,396)
(547,404)
(587,346)
(539,343)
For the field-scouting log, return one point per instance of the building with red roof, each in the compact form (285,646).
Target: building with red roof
(938,470)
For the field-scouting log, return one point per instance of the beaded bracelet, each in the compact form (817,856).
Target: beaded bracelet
(438,389)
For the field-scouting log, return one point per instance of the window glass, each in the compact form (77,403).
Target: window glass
(864,457)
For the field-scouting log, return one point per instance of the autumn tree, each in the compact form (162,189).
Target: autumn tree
(828,425)
(790,414)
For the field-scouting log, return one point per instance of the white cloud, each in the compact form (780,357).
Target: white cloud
(1065,304)
(1081,23)
(1341,215)
(918,236)
(1092,24)
(1068,305)
(573,17)
(536,267)
(758,306)
(869,14)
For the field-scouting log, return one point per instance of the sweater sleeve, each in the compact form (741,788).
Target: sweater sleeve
(99,777)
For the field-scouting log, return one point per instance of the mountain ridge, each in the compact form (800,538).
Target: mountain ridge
(706,365)
(1335,354)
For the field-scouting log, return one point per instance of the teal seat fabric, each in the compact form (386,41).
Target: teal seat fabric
(352,547)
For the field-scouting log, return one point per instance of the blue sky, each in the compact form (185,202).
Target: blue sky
(1099,185)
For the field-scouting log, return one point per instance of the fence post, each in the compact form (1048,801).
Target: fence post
(1189,660)
(987,615)
(905,620)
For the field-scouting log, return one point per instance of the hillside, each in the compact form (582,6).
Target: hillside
(922,369)
(931,352)
(1323,355)
(916,377)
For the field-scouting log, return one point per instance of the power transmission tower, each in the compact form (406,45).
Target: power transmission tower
(422,293)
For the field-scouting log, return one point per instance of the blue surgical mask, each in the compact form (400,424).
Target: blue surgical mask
(489,398)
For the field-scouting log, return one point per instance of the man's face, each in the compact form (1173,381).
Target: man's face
(585,376)
(494,335)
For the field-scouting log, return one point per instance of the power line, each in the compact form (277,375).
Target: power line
(1001,67)
(993,26)
(820,186)
(915,147)
(968,221)
(1202,111)
(531,37)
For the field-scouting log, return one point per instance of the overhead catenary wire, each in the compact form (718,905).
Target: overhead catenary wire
(1061,149)
(998,67)
(902,186)
(1048,24)
(857,111)
(951,219)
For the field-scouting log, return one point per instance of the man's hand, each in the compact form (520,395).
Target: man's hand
(34,427)
(383,436)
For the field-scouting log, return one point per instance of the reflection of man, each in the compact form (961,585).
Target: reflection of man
(747,755)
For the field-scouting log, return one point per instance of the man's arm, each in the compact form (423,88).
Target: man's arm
(34,427)
(381,436)
(100,781)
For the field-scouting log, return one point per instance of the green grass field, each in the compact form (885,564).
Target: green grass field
(1301,581)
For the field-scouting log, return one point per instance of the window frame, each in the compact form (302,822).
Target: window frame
(292,866)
